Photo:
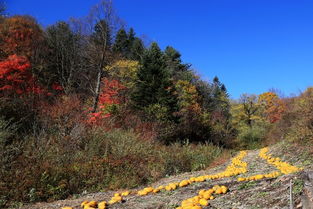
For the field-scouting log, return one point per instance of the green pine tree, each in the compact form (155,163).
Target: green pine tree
(131,37)
(174,64)
(154,86)
(121,43)
(137,50)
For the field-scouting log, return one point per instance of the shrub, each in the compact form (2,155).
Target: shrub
(7,130)
(301,130)
(252,137)
(100,160)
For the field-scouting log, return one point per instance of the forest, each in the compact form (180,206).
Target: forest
(86,103)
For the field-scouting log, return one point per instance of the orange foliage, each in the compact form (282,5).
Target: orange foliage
(273,106)
(20,35)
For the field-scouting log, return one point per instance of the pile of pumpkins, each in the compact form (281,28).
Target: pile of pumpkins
(284,167)
(203,197)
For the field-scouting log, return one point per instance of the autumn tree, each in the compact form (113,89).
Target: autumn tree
(109,99)
(16,77)
(125,71)
(250,126)
(248,109)
(187,95)
(190,125)
(272,106)
(19,91)
(300,129)
(103,23)
(20,35)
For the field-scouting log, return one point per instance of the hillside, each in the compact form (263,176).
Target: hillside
(91,107)
(263,193)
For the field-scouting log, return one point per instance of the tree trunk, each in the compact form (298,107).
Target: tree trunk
(97,91)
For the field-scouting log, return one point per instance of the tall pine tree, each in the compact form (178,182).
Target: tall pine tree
(131,37)
(154,84)
(137,50)
(128,45)
(174,64)
(121,43)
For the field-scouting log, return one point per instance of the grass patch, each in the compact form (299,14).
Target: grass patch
(247,185)
(276,184)
(262,194)
(297,186)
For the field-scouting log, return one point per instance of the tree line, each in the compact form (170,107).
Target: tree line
(92,56)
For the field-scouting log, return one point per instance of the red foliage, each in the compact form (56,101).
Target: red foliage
(109,96)
(95,118)
(110,93)
(16,78)
(21,35)
(57,87)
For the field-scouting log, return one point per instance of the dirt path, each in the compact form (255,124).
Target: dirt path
(266,193)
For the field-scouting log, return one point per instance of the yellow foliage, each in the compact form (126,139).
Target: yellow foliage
(245,112)
(125,71)
(187,95)
(271,106)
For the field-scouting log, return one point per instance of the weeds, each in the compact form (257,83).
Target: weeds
(247,185)
(297,186)
(262,194)
(99,160)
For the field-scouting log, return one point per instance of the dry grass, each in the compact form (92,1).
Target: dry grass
(56,167)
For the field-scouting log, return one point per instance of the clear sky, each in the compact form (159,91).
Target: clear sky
(251,45)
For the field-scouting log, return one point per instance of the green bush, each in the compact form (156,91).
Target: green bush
(252,137)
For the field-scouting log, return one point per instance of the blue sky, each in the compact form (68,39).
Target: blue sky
(251,45)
